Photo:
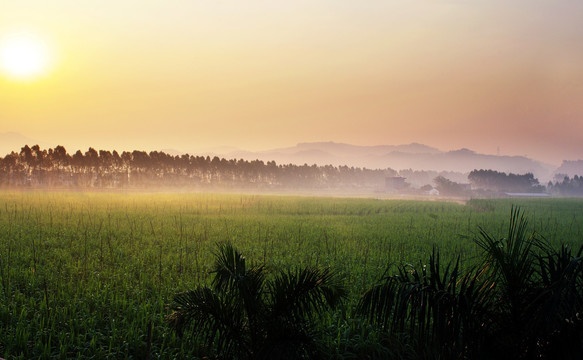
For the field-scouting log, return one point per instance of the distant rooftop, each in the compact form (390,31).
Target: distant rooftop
(527,194)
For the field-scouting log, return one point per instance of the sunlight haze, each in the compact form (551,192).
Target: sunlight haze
(23,56)
(257,75)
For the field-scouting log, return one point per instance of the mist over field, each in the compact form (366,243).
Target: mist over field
(458,174)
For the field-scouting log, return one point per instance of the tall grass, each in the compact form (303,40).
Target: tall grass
(91,275)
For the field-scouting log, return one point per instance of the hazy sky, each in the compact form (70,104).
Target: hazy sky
(188,75)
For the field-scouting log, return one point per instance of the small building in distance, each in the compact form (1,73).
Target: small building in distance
(433,192)
(526,195)
(395,184)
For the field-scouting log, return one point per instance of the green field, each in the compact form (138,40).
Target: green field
(90,275)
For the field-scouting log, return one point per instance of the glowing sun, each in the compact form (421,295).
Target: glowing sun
(23,56)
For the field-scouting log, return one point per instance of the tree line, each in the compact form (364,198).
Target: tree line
(500,182)
(492,180)
(103,169)
(34,167)
(567,187)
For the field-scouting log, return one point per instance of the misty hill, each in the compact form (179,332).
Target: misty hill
(465,160)
(12,141)
(342,149)
(411,156)
(569,168)
(331,153)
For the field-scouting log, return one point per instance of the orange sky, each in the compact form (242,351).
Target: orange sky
(265,74)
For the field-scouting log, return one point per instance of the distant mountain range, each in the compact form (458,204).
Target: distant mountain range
(411,156)
(569,168)
(11,141)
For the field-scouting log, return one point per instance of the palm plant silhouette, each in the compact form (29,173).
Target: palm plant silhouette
(244,315)
(539,294)
(524,301)
(438,310)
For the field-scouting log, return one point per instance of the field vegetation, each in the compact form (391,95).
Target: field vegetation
(93,275)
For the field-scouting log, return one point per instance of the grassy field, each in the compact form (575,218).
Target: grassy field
(88,275)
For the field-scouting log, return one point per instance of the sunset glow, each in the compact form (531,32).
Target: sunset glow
(491,76)
(23,56)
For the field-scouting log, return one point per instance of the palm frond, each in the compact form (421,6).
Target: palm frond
(216,321)
(378,303)
(512,259)
(233,277)
(229,267)
(561,296)
(302,292)
(434,305)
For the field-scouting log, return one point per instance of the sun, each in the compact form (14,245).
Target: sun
(23,56)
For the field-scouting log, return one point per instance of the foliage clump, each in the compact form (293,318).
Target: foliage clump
(523,302)
(243,315)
